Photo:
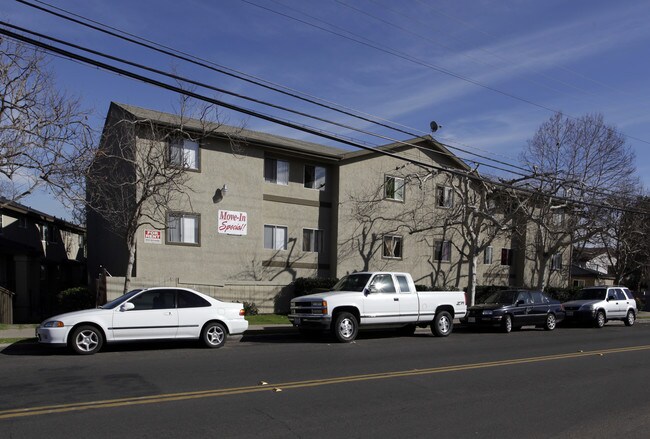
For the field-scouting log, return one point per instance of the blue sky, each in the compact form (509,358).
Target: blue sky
(489,72)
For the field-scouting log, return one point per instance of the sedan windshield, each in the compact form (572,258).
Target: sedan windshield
(117,302)
(592,294)
(353,282)
(506,297)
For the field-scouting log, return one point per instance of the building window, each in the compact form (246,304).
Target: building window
(183,228)
(578,283)
(442,251)
(444,197)
(48,232)
(312,240)
(276,171)
(184,153)
(393,188)
(556,261)
(275,237)
(558,219)
(315,177)
(506,256)
(487,256)
(392,247)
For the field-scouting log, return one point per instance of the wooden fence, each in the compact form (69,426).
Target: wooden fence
(6,306)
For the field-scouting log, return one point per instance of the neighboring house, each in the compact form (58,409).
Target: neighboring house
(269,209)
(40,255)
(594,258)
(591,267)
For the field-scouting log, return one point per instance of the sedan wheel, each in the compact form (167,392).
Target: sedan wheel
(600,319)
(506,325)
(551,322)
(86,340)
(629,319)
(214,335)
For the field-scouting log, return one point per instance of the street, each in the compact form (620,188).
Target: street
(571,382)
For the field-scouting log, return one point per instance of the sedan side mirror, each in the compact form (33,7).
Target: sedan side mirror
(127,306)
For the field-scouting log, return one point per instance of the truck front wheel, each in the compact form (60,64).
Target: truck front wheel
(345,327)
(442,324)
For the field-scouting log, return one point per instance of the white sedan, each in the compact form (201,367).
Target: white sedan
(150,314)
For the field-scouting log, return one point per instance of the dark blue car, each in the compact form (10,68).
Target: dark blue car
(512,309)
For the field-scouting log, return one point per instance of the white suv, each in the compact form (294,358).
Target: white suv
(597,305)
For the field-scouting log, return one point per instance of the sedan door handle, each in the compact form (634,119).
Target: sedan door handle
(396,299)
(168,313)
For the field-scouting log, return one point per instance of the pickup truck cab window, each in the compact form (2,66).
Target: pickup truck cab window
(383,283)
(403,284)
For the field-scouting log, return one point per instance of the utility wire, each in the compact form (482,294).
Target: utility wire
(310,130)
(238,95)
(248,78)
(241,96)
(202,63)
(402,55)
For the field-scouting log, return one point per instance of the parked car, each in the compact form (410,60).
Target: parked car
(597,305)
(146,314)
(512,309)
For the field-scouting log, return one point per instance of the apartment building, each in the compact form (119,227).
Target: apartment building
(262,210)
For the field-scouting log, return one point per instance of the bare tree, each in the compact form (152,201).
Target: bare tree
(140,171)
(577,167)
(624,241)
(44,133)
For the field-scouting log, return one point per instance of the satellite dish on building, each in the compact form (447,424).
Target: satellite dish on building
(434,126)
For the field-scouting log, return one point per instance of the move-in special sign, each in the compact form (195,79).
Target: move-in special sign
(152,236)
(233,223)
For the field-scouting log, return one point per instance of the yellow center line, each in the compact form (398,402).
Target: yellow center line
(154,399)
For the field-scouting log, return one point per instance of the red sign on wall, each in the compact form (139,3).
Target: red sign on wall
(233,223)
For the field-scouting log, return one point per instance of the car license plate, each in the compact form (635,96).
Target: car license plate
(569,313)
(472,319)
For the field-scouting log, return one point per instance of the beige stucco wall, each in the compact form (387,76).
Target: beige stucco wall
(221,258)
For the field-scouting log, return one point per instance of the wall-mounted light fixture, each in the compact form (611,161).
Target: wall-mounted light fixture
(219,194)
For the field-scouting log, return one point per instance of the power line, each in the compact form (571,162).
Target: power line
(189,93)
(402,55)
(220,69)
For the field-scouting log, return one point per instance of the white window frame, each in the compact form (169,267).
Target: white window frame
(488,255)
(185,153)
(276,242)
(392,244)
(189,232)
(556,261)
(442,250)
(320,177)
(398,185)
(276,171)
(312,240)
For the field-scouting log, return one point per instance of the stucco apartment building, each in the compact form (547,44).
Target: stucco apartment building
(265,210)
(40,255)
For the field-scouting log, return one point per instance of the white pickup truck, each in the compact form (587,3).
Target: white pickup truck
(377,299)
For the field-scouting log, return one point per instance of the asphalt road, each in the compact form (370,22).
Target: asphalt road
(572,382)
